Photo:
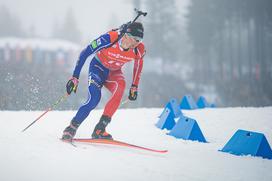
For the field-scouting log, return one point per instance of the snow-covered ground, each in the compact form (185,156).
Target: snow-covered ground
(38,154)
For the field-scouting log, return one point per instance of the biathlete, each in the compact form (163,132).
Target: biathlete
(110,54)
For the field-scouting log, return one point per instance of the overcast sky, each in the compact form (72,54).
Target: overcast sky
(93,16)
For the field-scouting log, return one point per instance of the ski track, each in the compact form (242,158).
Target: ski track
(38,154)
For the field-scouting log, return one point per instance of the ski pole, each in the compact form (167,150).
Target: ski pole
(61,99)
(125,101)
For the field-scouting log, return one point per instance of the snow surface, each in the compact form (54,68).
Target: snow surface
(38,154)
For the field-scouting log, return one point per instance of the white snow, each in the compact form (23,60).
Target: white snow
(38,154)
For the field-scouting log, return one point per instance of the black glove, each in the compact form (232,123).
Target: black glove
(133,92)
(72,85)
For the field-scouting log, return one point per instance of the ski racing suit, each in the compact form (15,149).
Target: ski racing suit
(105,70)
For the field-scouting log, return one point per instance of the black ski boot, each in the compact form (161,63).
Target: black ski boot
(100,129)
(70,131)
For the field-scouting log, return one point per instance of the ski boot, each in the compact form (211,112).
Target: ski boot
(70,131)
(100,129)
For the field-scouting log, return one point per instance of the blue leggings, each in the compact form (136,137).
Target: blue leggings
(97,77)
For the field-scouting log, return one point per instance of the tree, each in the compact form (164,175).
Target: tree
(67,30)
(163,32)
(10,24)
(236,35)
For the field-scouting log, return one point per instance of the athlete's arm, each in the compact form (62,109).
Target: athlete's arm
(102,42)
(138,65)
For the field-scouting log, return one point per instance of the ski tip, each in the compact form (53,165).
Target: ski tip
(164,151)
(68,141)
(159,151)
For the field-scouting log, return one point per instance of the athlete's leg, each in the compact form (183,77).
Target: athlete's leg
(116,84)
(97,76)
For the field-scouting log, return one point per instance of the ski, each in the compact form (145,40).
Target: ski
(115,142)
(69,142)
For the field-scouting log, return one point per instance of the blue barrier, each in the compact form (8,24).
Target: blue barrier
(202,102)
(188,102)
(166,120)
(174,107)
(248,143)
(188,129)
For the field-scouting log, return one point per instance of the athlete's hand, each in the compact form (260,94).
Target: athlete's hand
(72,85)
(133,93)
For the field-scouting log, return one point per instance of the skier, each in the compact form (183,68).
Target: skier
(110,54)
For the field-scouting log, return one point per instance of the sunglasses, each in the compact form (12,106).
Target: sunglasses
(136,38)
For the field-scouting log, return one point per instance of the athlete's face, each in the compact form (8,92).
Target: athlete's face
(129,41)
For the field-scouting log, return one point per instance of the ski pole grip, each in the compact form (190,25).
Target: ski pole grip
(140,12)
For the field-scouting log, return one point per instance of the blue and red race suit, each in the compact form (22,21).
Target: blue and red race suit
(105,70)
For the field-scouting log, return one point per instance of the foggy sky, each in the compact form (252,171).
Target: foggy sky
(93,17)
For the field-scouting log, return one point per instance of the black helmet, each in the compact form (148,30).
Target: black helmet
(136,29)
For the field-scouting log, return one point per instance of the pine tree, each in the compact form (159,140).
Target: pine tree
(162,30)
(10,24)
(67,30)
